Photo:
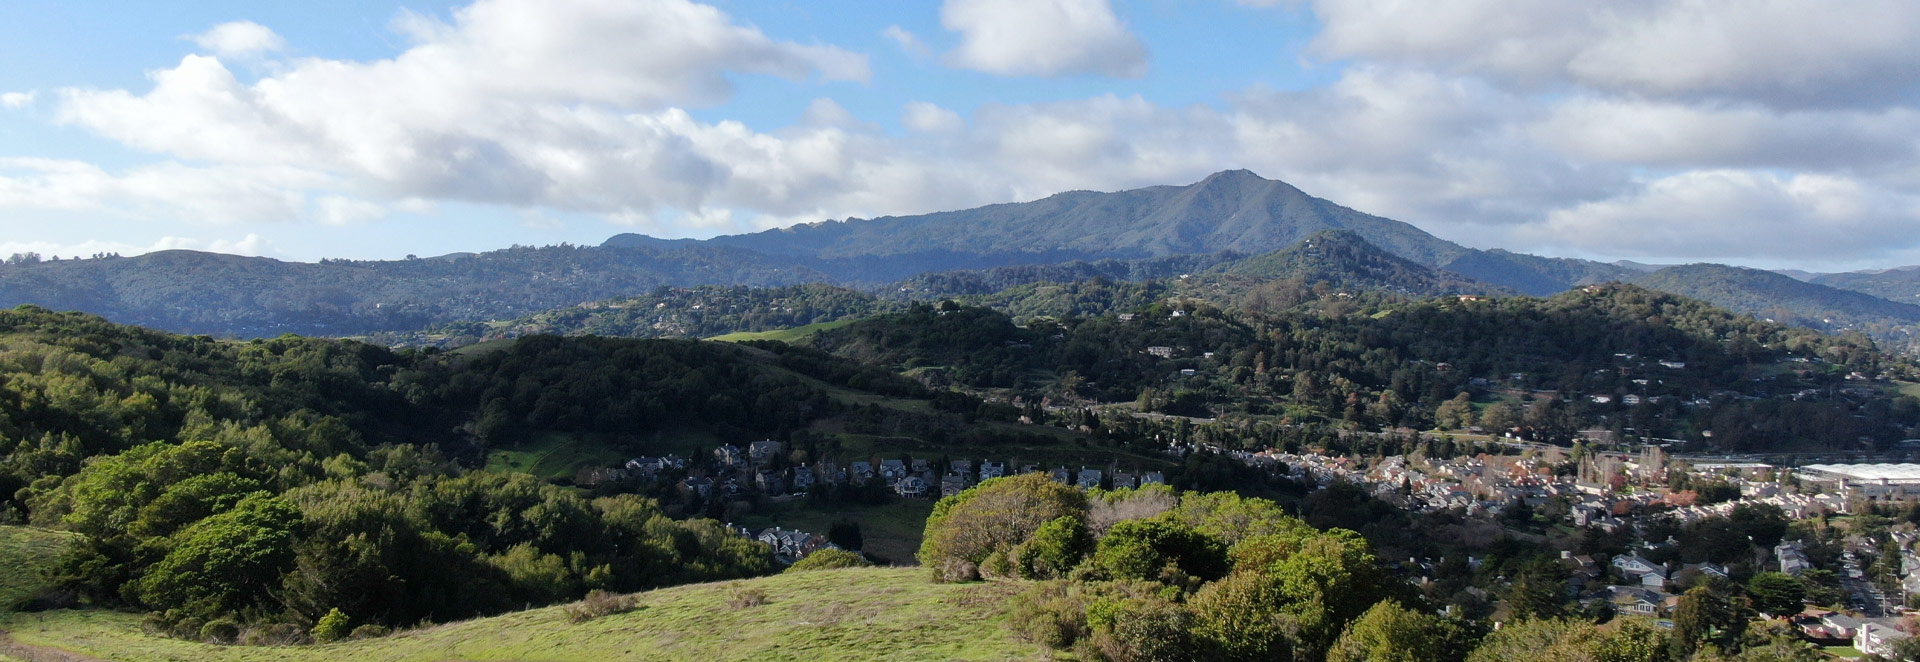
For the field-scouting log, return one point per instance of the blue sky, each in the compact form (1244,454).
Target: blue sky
(1781,135)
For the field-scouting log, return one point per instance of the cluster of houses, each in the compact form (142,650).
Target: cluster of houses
(759,467)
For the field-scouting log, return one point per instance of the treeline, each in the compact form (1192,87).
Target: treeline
(1155,574)
(1693,368)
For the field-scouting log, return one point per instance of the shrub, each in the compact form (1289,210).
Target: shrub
(370,631)
(332,627)
(1148,549)
(277,634)
(829,559)
(742,598)
(599,603)
(220,631)
(1055,548)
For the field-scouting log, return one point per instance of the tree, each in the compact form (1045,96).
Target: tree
(1498,417)
(226,562)
(1454,414)
(846,534)
(1150,549)
(1705,616)
(1055,548)
(332,627)
(1776,593)
(1389,632)
(992,517)
(1540,590)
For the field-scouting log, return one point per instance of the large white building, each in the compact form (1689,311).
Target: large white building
(1875,482)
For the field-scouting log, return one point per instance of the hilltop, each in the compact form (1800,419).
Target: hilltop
(1791,301)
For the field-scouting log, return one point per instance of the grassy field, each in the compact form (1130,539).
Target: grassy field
(553,455)
(856,614)
(25,556)
(891,531)
(784,335)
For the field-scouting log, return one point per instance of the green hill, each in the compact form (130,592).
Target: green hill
(1345,259)
(853,614)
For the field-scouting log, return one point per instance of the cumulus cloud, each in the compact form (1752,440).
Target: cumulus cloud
(18,100)
(1042,38)
(239,39)
(1786,52)
(1737,214)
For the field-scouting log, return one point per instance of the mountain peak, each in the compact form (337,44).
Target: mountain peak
(1236,176)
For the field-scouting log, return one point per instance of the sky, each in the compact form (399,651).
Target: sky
(1768,133)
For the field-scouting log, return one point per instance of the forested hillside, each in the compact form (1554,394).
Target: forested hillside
(1781,298)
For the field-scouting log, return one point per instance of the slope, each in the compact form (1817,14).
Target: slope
(1901,284)
(854,614)
(1788,300)
(1344,259)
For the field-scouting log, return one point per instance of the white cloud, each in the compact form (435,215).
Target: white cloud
(1042,38)
(908,42)
(239,39)
(252,245)
(1786,52)
(342,210)
(931,118)
(1738,214)
(18,100)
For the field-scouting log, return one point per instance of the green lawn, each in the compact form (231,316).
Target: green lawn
(855,614)
(891,531)
(1843,651)
(553,455)
(784,335)
(25,556)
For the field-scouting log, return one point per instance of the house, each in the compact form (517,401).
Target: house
(1187,372)
(1061,476)
(1840,626)
(700,486)
(790,545)
(962,467)
(1793,558)
(1600,399)
(1877,639)
(803,480)
(769,482)
(860,472)
(1161,351)
(763,452)
(1127,317)
(1122,479)
(953,483)
(1630,400)
(1632,600)
(728,455)
(1674,365)
(892,471)
(912,487)
(992,469)
(1153,478)
(1088,478)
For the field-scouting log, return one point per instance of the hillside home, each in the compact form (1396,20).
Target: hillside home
(763,452)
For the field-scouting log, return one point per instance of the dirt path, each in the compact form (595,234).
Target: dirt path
(13,648)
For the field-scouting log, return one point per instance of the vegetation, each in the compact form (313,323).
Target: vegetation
(851,614)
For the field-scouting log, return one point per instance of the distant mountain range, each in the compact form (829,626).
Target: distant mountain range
(1233,224)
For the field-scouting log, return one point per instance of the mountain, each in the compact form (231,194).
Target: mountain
(1788,300)
(1900,284)
(1231,211)
(211,293)
(1151,232)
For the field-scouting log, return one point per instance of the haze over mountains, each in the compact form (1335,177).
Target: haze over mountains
(1233,222)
